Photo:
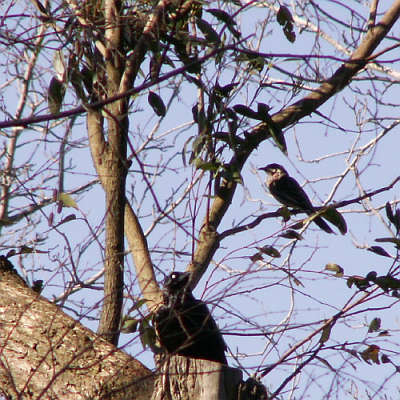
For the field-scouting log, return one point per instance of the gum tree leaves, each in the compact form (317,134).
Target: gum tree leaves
(375,325)
(371,353)
(388,283)
(339,271)
(393,217)
(266,250)
(285,19)
(208,31)
(67,200)
(223,16)
(56,89)
(379,251)
(326,333)
(55,95)
(157,104)
(262,114)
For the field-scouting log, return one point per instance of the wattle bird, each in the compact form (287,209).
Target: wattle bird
(287,191)
(184,325)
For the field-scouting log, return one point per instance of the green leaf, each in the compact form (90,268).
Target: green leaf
(371,276)
(68,218)
(55,95)
(360,282)
(270,251)
(59,64)
(222,16)
(389,213)
(256,257)
(379,251)
(147,334)
(397,220)
(75,78)
(224,91)
(207,165)
(385,359)
(208,31)
(291,234)
(297,281)
(387,282)
(26,250)
(375,325)
(254,60)
(371,353)
(129,325)
(197,147)
(273,129)
(277,135)
(290,35)
(67,200)
(326,333)
(396,241)
(298,225)
(284,16)
(354,353)
(335,268)
(246,111)
(235,2)
(156,104)
(192,64)
(185,149)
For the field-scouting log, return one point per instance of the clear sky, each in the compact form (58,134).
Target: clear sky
(326,151)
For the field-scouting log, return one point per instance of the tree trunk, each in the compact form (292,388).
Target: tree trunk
(182,378)
(46,354)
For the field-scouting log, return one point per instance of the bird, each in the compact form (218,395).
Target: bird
(184,325)
(287,191)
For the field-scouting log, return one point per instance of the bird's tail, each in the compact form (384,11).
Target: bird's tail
(323,225)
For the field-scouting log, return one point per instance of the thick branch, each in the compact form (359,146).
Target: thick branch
(133,231)
(339,80)
(46,354)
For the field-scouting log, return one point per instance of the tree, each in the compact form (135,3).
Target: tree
(174,96)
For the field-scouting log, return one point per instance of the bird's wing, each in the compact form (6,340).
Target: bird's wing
(208,337)
(287,191)
(290,193)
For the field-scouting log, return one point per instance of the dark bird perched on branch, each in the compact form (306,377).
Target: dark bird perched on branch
(184,324)
(288,192)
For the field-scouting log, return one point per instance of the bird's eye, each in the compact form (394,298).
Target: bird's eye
(174,276)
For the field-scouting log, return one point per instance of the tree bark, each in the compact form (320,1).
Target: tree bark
(182,378)
(115,177)
(46,354)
